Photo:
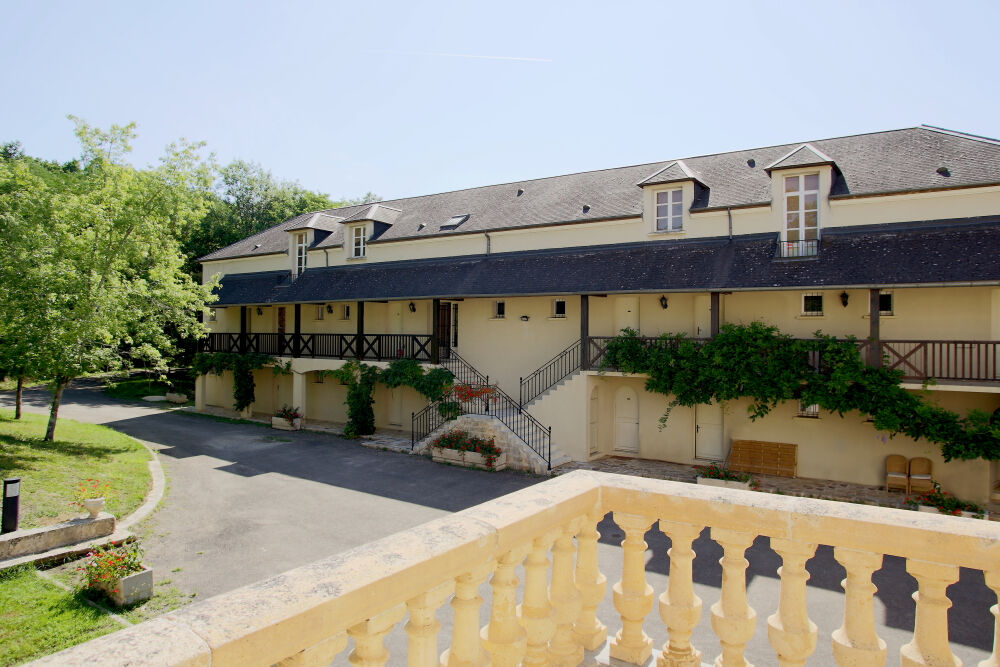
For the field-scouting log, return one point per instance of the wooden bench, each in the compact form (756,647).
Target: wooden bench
(764,458)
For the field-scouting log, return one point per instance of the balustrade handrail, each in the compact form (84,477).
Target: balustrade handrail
(305,615)
(550,373)
(378,347)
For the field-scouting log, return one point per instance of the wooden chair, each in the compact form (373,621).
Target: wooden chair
(896,476)
(920,475)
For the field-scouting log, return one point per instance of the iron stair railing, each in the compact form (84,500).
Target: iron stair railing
(550,373)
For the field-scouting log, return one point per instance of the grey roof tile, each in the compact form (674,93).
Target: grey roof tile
(894,161)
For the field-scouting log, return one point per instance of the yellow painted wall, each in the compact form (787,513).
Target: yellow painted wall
(219,390)
(325,401)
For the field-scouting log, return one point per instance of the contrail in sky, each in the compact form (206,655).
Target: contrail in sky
(462,55)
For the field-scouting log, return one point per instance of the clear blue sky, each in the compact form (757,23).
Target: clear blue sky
(351,97)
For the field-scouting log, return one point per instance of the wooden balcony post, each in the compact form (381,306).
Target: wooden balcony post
(714,314)
(243,328)
(297,340)
(360,341)
(875,350)
(435,331)
(584,332)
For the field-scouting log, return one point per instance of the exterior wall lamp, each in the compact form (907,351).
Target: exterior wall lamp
(663,302)
(260,311)
(525,318)
(412,307)
(844,296)
(329,309)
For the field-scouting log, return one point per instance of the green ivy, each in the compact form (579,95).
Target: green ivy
(759,363)
(361,378)
(242,367)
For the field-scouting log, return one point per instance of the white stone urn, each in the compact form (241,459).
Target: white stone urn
(283,424)
(94,506)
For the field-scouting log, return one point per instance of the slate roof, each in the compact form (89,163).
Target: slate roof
(882,162)
(674,172)
(941,251)
(803,156)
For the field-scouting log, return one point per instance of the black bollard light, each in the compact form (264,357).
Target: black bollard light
(11,504)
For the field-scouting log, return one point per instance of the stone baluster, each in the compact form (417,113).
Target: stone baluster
(790,631)
(993,581)
(423,626)
(369,651)
(732,618)
(466,647)
(536,613)
(504,638)
(680,608)
(589,631)
(930,631)
(319,655)
(856,643)
(564,649)
(633,596)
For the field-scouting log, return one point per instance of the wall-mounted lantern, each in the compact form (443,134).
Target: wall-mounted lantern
(329,309)
(663,302)
(844,296)
(525,318)
(412,307)
(260,311)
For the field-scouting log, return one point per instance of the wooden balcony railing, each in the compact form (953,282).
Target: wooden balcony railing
(306,615)
(380,347)
(919,360)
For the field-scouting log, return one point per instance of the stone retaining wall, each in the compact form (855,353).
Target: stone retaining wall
(519,455)
(38,540)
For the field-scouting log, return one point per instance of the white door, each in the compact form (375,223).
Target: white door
(396,317)
(626,420)
(594,405)
(708,432)
(396,407)
(702,316)
(626,313)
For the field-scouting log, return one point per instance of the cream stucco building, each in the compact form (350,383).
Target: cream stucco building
(893,237)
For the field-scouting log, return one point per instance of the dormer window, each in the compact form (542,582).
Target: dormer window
(801,231)
(670,210)
(301,252)
(358,245)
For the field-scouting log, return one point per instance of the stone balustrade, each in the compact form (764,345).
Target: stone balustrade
(306,616)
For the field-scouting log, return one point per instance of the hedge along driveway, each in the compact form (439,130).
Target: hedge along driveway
(50,472)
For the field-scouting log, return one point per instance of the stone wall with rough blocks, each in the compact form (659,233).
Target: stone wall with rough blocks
(36,540)
(519,455)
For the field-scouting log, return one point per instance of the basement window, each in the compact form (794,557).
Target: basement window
(808,411)
(499,310)
(812,305)
(319,312)
(885,303)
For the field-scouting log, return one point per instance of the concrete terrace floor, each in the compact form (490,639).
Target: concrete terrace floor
(245,502)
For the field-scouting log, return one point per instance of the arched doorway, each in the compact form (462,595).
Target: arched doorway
(592,416)
(626,420)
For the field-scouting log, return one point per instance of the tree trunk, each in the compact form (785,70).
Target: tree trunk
(17,397)
(50,432)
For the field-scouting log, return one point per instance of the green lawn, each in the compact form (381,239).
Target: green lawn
(137,387)
(51,471)
(37,618)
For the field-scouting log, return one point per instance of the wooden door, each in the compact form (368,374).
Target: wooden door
(593,417)
(281,320)
(702,316)
(444,330)
(626,420)
(708,432)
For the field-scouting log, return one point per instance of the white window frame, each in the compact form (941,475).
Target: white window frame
(320,311)
(358,242)
(812,313)
(799,211)
(499,309)
(301,252)
(555,309)
(345,311)
(673,218)
(892,303)
(808,411)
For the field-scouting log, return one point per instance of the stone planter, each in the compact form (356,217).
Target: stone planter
(283,424)
(94,506)
(725,483)
(934,510)
(131,589)
(467,459)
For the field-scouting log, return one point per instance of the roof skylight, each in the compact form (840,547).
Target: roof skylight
(455,220)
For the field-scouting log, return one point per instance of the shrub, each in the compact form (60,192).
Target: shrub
(106,565)
(717,471)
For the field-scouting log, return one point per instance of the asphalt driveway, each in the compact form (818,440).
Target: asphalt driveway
(245,502)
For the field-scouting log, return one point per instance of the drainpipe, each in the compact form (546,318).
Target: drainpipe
(729,212)
(326,253)
(487,234)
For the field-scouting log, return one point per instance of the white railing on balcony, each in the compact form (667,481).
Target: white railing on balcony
(306,616)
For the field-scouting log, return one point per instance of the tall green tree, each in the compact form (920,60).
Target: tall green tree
(96,274)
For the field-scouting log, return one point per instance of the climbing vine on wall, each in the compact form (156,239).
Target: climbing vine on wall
(759,363)
(242,367)
(361,378)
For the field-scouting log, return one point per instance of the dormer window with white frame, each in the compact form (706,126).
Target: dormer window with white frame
(301,252)
(670,210)
(800,233)
(358,242)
